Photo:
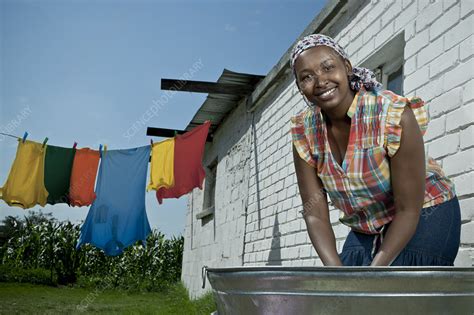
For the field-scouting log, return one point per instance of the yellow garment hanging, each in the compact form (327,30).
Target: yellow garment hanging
(162,165)
(25,184)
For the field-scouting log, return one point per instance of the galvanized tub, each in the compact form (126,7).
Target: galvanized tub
(343,290)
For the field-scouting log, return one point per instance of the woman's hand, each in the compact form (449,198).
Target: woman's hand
(316,212)
(408,172)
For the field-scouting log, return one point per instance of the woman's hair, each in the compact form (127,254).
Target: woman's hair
(359,77)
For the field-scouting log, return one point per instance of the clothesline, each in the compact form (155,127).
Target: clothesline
(9,135)
(26,134)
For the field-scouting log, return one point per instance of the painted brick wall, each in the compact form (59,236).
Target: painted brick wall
(218,241)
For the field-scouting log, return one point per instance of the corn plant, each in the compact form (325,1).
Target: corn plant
(39,241)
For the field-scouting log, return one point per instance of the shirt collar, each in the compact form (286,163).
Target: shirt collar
(353,107)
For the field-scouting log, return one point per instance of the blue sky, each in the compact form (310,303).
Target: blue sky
(87,71)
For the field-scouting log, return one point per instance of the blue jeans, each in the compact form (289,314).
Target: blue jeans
(435,242)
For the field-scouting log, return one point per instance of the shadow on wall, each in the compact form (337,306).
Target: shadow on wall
(274,258)
(257,180)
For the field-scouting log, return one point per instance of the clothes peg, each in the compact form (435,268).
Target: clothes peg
(100,151)
(175,133)
(45,140)
(151,142)
(105,149)
(75,145)
(24,136)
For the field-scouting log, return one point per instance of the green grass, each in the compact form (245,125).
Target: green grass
(24,298)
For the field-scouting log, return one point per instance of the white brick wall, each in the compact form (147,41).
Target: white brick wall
(220,241)
(438,67)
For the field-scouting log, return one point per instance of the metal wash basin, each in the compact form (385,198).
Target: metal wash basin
(343,290)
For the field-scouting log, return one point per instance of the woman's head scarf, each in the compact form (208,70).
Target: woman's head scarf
(360,76)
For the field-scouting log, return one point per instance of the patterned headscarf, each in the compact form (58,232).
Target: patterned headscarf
(360,76)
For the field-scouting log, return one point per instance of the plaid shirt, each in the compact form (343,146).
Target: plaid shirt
(361,187)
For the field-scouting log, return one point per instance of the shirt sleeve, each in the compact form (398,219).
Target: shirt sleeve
(300,141)
(393,129)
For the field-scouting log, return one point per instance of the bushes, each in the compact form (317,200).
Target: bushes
(35,276)
(39,242)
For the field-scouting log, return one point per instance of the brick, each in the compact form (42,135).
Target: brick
(418,78)
(334,216)
(281,196)
(458,163)
(291,191)
(295,226)
(340,230)
(384,35)
(446,102)
(422,4)
(409,31)
(448,4)
(464,258)
(408,15)
(460,74)
(464,184)
(436,128)
(428,14)
(343,41)
(447,60)
(354,45)
(467,138)
(419,41)
(466,48)
(433,50)
(389,14)
(466,8)
(467,233)
(367,49)
(301,238)
(294,252)
(287,204)
(446,21)
(410,65)
(467,209)
(314,254)
(371,30)
(460,118)
(406,3)
(459,32)
(290,179)
(444,146)
(305,251)
(432,89)
(379,8)
(355,26)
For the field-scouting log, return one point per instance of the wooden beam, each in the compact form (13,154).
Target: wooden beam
(169,133)
(206,87)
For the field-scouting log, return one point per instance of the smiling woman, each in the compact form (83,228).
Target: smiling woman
(349,144)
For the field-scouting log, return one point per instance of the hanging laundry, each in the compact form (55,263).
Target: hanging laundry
(24,186)
(161,168)
(188,171)
(117,218)
(57,173)
(83,176)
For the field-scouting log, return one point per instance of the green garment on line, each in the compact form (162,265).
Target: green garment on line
(57,173)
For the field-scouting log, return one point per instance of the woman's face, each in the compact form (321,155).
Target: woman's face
(322,76)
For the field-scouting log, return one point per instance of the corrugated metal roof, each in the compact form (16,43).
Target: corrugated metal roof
(216,106)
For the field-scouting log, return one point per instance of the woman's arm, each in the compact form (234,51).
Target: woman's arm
(316,212)
(408,171)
